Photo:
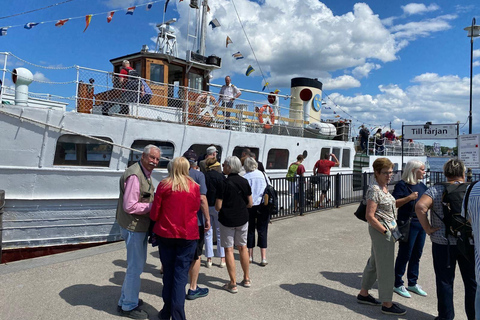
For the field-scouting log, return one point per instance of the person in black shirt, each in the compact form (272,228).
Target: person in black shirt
(233,201)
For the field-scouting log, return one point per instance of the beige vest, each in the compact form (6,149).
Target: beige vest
(135,222)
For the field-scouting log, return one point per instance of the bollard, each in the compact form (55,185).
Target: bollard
(2,205)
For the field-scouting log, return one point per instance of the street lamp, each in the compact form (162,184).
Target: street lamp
(473,31)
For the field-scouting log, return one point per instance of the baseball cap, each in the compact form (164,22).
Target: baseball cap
(190,155)
(211,150)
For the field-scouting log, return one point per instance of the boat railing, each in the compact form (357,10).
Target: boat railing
(386,147)
(107,93)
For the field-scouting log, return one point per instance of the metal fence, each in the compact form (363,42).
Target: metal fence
(303,195)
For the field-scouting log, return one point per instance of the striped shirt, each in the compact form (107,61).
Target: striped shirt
(474,217)
(436,192)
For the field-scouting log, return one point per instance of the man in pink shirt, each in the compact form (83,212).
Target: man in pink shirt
(133,217)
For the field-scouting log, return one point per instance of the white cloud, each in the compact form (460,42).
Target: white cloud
(413,30)
(117,4)
(476,53)
(40,77)
(342,82)
(363,71)
(419,8)
(476,64)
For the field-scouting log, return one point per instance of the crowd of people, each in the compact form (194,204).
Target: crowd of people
(181,215)
(415,202)
(377,141)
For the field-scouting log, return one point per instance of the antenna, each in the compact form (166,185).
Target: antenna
(166,39)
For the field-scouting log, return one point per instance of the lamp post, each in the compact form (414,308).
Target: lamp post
(473,31)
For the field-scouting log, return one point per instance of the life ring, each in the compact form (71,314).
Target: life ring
(203,109)
(270,120)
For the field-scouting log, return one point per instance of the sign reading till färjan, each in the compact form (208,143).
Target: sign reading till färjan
(435,131)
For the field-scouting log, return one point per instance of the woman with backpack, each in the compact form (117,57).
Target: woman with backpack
(407,191)
(445,252)
(259,216)
(380,216)
(296,169)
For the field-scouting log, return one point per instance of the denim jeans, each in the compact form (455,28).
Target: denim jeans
(176,256)
(258,219)
(136,243)
(477,303)
(215,227)
(444,280)
(410,252)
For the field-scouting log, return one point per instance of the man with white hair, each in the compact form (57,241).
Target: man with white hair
(212,152)
(228,94)
(133,216)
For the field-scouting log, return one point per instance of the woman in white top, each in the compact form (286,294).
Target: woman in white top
(258,215)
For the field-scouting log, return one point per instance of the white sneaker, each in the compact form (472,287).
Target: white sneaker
(402,291)
(222,264)
(208,264)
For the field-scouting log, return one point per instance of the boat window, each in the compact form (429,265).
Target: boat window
(195,81)
(336,152)
(277,159)
(238,151)
(166,148)
(156,72)
(201,150)
(325,151)
(346,158)
(137,65)
(73,150)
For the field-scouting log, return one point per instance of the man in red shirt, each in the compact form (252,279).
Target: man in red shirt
(322,168)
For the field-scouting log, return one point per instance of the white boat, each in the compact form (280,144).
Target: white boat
(63,153)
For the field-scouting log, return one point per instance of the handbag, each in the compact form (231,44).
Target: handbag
(404,228)
(361,211)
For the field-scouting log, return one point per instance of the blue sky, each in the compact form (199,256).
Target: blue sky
(381,62)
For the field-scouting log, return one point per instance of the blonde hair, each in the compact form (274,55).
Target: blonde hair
(178,178)
(410,172)
(454,168)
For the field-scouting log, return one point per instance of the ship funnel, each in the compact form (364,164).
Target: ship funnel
(306,101)
(22,78)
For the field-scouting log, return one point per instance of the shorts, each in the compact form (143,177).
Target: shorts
(200,243)
(233,236)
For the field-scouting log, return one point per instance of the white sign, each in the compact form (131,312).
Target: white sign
(468,150)
(434,131)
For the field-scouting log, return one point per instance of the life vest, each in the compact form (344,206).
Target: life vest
(270,120)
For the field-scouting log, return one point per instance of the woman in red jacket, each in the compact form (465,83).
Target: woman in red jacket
(174,211)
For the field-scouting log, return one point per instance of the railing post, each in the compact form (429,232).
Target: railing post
(2,205)
(301,195)
(338,195)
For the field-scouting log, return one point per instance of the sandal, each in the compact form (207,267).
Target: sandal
(230,287)
(246,283)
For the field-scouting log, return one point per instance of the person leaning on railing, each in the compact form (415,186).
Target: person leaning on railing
(381,219)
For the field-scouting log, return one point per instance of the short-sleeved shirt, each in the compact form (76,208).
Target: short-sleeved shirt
(402,190)
(199,178)
(258,182)
(214,180)
(474,216)
(323,166)
(385,202)
(234,193)
(228,92)
(436,192)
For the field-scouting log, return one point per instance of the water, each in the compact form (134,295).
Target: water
(436,164)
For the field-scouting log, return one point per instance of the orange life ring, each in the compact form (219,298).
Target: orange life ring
(203,107)
(268,124)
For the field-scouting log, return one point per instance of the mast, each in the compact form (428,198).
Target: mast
(203,28)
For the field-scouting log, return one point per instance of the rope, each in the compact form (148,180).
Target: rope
(21,13)
(71,131)
(39,66)
(248,40)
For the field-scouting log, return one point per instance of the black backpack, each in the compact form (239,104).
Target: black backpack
(133,81)
(455,224)
(270,197)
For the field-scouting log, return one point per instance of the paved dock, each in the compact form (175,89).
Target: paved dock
(314,272)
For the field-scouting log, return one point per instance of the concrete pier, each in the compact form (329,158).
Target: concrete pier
(314,272)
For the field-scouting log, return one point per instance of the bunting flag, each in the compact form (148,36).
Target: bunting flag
(149,6)
(237,55)
(88,18)
(61,22)
(3,31)
(214,23)
(30,25)
(249,70)
(228,41)
(166,4)
(266,85)
(276,91)
(334,112)
(208,8)
(110,16)
(130,10)
(337,116)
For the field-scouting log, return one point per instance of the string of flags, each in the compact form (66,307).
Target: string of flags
(249,70)
(88,18)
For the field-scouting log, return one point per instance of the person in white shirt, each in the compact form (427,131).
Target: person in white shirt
(228,94)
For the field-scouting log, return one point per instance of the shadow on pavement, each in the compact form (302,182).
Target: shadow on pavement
(149,268)
(352,280)
(321,293)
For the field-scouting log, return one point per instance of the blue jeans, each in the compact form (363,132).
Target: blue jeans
(410,252)
(215,227)
(444,280)
(477,303)
(136,244)
(176,256)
